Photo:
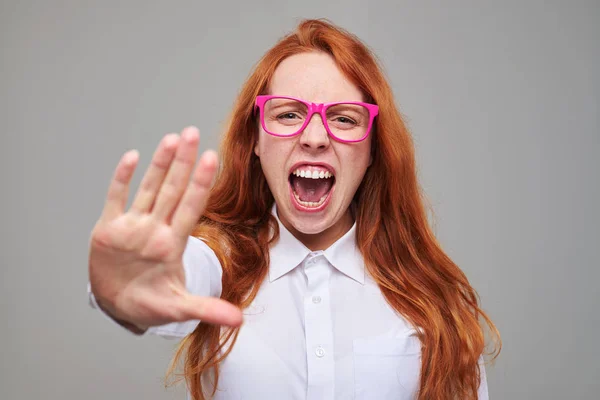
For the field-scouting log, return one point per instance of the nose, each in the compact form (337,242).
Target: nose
(315,135)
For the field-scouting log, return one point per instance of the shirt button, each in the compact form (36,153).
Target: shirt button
(320,352)
(316,299)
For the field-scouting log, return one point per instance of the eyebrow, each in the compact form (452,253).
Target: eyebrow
(354,108)
(282,103)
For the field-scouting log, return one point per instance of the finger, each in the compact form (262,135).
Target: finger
(194,200)
(212,310)
(118,190)
(178,175)
(155,174)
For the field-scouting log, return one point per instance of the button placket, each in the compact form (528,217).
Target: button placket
(319,329)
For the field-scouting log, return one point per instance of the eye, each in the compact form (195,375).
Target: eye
(288,115)
(345,120)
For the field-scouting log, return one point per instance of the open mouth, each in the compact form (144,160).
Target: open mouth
(311,187)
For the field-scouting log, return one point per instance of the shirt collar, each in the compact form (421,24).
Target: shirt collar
(288,252)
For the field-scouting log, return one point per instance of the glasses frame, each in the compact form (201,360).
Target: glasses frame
(319,108)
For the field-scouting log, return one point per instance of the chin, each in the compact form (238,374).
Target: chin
(309,227)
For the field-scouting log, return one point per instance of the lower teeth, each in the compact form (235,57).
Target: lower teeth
(310,203)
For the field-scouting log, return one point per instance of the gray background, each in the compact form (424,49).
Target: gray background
(502,98)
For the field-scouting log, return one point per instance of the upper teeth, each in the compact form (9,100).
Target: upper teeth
(312,174)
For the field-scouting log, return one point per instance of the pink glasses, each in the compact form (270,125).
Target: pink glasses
(346,122)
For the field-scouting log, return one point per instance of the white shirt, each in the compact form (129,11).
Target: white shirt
(318,329)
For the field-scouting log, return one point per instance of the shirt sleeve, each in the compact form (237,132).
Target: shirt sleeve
(482,392)
(203,274)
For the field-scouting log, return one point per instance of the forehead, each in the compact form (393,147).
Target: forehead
(313,77)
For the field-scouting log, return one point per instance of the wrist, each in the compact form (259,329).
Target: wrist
(130,326)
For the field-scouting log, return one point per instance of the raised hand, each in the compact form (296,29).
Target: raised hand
(136,255)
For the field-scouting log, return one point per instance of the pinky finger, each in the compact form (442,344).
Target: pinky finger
(116,199)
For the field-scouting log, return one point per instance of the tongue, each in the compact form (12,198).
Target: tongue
(311,189)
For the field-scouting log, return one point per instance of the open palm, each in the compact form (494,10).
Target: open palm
(135,260)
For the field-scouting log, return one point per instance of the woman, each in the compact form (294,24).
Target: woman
(315,229)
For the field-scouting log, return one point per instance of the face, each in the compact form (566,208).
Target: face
(314,210)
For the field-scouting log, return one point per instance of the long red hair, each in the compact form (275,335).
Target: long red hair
(393,234)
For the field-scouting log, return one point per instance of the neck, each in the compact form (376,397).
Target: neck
(322,240)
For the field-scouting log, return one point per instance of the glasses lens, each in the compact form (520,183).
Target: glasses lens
(286,117)
(348,121)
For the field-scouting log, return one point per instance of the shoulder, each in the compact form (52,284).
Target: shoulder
(197,248)
(203,271)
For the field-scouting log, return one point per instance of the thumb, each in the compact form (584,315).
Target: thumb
(210,309)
